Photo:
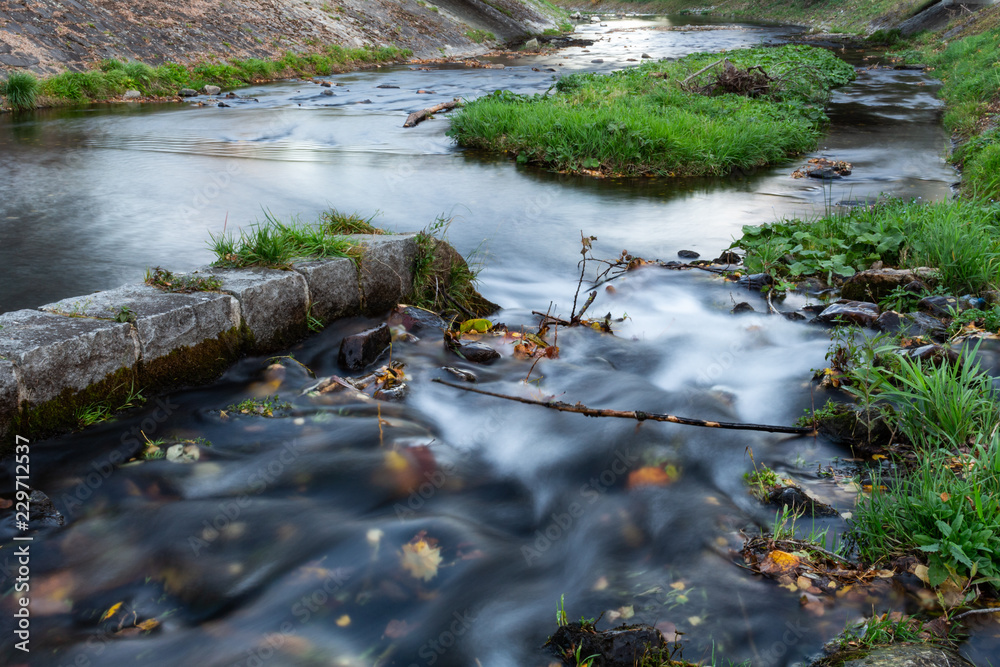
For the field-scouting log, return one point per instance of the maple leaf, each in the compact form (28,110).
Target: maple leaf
(420,558)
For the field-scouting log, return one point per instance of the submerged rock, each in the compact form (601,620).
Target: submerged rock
(688,254)
(187,92)
(363,348)
(477,353)
(850,312)
(755,280)
(742,307)
(798,500)
(856,428)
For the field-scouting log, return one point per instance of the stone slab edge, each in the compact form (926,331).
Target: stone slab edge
(255,311)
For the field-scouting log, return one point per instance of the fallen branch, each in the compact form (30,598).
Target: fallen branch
(703,70)
(420,116)
(637,415)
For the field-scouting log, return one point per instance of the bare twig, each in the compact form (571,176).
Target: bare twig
(586,305)
(419,116)
(637,415)
(976,611)
(703,70)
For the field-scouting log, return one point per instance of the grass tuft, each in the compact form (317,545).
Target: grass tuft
(274,243)
(21,91)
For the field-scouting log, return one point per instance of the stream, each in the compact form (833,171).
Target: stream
(445,529)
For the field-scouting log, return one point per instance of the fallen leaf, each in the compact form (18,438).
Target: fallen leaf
(421,559)
(652,476)
(779,562)
(600,584)
(921,573)
(694,620)
(343,621)
(678,585)
(945,497)
(112,611)
(804,583)
(148,624)
(885,574)
(397,629)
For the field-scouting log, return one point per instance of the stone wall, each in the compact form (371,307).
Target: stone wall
(47,36)
(103,347)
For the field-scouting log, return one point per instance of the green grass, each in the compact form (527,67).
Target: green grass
(948,509)
(631,123)
(274,243)
(114,77)
(335,222)
(171,282)
(960,238)
(480,36)
(258,407)
(21,90)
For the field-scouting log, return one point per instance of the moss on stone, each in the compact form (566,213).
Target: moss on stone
(196,364)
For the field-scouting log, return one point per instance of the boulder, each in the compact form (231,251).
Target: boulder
(211,90)
(477,353)
(364,348)
(942,306)
(896,655)
(132,94)
(910,324)
(327,91)
(876,284)
(623,646)
(849,312)
(187,92)
(531,44)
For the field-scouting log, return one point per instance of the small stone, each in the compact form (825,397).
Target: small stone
(688,254)
(943,306)
(384,85)
(132,94)
(187,92)
(595,19)
(364,102)
(326,84)
(742,307)
(327,91)
(645,55)
(364,348)
(467,376)
(416,319)
(223,105)
(755,281)
(531,44)
(851,312)
(477,353)
(211,90)
(728,257)
(597,61)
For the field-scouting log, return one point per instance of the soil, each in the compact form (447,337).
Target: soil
(48,36)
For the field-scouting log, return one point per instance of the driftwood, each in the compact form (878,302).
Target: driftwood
(637,415)
(703,70)
(420,116)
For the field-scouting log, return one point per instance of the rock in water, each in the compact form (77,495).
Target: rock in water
(477,353)
(132,94)
(688,254)
(876,284)
(531,44)
(187,92)
(850,312)
(211,90)
(363,348)
(897,655)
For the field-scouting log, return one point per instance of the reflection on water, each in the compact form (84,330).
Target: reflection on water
(442,530)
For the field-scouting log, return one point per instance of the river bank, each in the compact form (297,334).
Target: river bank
(356,530)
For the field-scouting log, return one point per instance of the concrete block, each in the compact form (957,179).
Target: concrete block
(386,269)
(273,304)
(333,287)
(53,353)
(10,400)
(164,321)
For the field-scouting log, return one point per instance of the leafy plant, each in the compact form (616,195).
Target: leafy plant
(261,407)
(276,244)
(171,282)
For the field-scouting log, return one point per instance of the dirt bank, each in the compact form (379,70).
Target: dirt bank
(48,36)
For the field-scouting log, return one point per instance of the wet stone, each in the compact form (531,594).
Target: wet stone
(362,349)
(43,511)
(624,646)
(933,353)
(333,287)
(876,284)
(798,500)
(755,281)
(416,319)
(688,254)
(910,324)
(852,312)
(728,257)
(211,90)
(742,307)
(897,655)
(478,353)
(187,92)
(942,306)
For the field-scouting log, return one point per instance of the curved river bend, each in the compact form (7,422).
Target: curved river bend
(284,543)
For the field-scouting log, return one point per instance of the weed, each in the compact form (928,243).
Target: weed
(125,315)
(102,411)
(335,222)
(879,631)
(171,282)
(21,90)
(261,407)
(480,36)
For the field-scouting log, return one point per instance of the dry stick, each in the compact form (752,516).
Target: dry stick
(703,69)
(586,305)
(976,611)
(637,415)
(420,116)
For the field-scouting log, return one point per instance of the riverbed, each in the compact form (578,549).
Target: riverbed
(447,528)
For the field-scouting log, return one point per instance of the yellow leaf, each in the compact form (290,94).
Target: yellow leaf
(779,562)
(803,583)
(678,585)
(112,611)
(694,620)
(920,572)
(421,560)
(343,621)
(479,326)
(885,574)
(878,457)
(148,625)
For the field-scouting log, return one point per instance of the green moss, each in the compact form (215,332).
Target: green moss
(62,413)
(196,364)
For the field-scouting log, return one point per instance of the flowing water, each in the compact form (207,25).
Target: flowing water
(291,540)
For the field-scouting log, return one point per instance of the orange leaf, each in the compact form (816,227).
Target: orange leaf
(651,476)
(945,497)
(779,562)
(112,611)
